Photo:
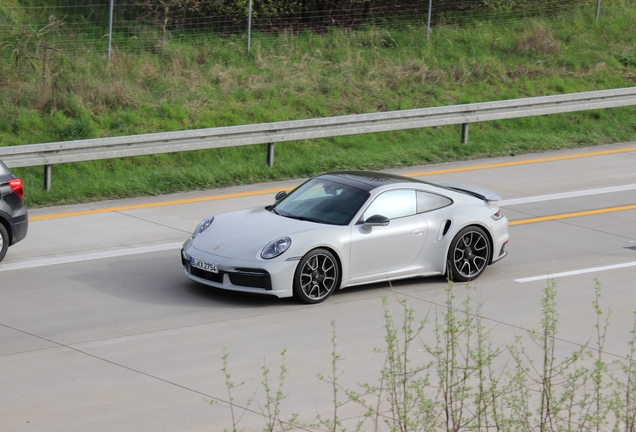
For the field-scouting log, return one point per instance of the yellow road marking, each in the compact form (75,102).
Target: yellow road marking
(151,205)
(266,191)
(521,162)
(571,215)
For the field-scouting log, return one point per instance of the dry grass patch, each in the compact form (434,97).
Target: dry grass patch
(539,40)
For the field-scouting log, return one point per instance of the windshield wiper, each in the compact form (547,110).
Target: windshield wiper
(302,218)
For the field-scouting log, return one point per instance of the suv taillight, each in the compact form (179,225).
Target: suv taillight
(16,185)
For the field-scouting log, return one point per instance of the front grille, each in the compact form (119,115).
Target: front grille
(254,278)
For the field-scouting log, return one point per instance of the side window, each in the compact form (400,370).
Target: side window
(393,204)
(429,201)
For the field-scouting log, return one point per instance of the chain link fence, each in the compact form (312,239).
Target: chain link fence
(75,27)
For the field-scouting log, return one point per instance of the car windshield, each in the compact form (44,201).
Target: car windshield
(323,201)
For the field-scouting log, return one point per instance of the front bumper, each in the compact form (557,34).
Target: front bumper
(250,276)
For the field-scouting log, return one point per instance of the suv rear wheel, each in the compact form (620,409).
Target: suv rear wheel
(4,241)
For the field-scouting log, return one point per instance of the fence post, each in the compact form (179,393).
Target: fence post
(270,154)
(465,133)
(110,28)
(249,28)
(47,177)
(428,19)
(598,9)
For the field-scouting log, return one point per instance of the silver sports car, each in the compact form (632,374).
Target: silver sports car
(349,228)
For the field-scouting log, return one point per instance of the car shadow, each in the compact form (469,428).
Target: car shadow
(158,278)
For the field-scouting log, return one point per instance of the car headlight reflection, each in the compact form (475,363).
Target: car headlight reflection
(203,226)
(276,248)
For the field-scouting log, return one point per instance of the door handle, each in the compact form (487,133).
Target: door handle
(419,232)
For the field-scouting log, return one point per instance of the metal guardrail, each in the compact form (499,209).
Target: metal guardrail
(270,133)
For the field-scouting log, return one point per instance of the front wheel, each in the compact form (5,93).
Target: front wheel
(317,276)
(468,255)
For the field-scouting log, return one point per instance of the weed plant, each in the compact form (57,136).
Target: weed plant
(50,91)
(467,383)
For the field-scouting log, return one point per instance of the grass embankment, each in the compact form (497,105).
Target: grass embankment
(211,82)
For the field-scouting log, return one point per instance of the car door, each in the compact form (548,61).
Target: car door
(387,249)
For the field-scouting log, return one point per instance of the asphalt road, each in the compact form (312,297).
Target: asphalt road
(101,331)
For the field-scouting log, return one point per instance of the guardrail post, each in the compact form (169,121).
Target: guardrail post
(270,154)
(465,133)
(47,177)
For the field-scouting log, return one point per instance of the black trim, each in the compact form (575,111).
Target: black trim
(254,278)
(246,277)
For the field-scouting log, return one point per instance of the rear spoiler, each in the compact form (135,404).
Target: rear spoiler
(475,191)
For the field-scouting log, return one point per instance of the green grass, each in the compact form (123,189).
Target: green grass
(210,82)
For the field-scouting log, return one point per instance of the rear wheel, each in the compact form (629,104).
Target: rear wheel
(469,254)
(317,276)
(4,241)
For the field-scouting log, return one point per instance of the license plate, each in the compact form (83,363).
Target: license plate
(204,265)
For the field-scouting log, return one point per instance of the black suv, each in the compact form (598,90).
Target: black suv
(14,220)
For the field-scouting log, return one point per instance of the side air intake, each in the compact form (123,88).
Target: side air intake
(444,228)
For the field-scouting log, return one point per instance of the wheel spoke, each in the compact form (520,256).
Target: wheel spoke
(481,244)
(313,260)
(481,260)
(463,266)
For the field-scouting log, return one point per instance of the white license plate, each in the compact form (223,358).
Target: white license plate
(204,265)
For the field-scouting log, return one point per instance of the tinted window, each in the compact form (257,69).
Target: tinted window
(323,201)
(429,201)
(393,204)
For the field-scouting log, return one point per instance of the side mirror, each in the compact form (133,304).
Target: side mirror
(375,220)
(280,195)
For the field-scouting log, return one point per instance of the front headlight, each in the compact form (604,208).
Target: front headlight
(276,248)
(203,226)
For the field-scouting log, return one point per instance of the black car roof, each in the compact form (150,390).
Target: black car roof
(368,180)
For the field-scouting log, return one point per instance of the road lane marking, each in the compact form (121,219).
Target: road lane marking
(88,256)
(151,205)
(262,192)
(575,272)
(565,195)
(571,215)
(172,246)
(522,162)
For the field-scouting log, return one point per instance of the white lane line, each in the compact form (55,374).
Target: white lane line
(576,272)
(563,195)
(88,256)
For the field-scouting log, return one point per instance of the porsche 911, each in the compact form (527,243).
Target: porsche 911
(343,229)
